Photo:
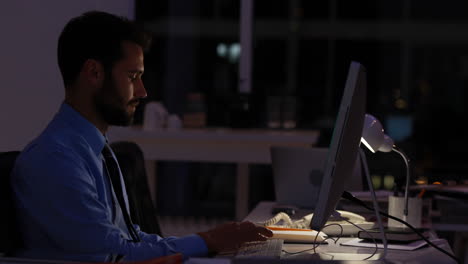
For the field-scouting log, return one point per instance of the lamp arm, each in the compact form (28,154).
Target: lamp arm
(406,159)
(365,168)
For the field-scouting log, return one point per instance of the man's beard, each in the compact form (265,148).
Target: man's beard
(111,106)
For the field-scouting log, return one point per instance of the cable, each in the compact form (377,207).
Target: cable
(362,229)
(348,196)
(316,245)
(278,218)
(335,241)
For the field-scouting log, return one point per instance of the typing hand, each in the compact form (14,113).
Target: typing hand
(231,236)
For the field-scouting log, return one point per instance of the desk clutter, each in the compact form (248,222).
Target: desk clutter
(348,224)
(351,247)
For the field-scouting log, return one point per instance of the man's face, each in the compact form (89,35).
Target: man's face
(123,88)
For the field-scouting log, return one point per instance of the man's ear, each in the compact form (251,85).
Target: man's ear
(93,71)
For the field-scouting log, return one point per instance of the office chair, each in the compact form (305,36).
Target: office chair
(132,165)
(10,237)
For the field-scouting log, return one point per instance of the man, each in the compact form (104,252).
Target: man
(69,205)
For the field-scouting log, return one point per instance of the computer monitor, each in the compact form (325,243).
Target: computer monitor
(344,145)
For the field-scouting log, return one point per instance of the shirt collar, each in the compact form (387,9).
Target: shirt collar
(86,129)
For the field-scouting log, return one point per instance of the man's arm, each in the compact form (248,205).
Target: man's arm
(58,194)
(232,235)
(223,237)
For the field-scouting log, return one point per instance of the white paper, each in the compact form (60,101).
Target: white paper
(358,242)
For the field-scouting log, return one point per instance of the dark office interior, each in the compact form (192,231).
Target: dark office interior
(416,58)
(414,52)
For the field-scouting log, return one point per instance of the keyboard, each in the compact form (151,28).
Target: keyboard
(270,248)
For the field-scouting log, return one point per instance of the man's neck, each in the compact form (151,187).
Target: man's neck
(83,107)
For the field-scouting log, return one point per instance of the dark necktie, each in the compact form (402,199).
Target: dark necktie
(113,171)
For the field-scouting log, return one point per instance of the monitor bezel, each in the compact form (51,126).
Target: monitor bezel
(344,145)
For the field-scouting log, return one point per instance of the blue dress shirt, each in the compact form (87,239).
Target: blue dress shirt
(65,203)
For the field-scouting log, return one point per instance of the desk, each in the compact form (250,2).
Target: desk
(262,212)
(452,214)
(242,147)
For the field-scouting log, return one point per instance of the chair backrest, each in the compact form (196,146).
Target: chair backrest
(10,237)
(132,163)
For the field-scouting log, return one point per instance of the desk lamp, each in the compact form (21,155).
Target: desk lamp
(374,138)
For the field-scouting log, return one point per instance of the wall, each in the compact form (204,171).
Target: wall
(31,87)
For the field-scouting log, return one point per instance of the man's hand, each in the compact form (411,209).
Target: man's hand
(231,236)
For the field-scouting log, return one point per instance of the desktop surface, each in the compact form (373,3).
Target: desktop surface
(348,254)
(301,261)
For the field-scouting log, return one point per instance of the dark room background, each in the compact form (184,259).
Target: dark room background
(415,53)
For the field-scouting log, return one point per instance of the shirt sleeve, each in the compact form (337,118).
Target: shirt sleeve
(58,192)
(194,244)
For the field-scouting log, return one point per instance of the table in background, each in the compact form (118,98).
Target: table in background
(262,212)
(242,147)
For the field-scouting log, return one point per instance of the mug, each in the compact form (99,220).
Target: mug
(396,206)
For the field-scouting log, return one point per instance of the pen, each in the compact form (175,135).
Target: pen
(276,228)
(421,193)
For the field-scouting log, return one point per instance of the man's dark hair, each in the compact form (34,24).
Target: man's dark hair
(95,35)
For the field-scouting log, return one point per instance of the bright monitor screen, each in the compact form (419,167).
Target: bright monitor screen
(344,145)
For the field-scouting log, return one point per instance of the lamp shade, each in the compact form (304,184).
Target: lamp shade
(373,136)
